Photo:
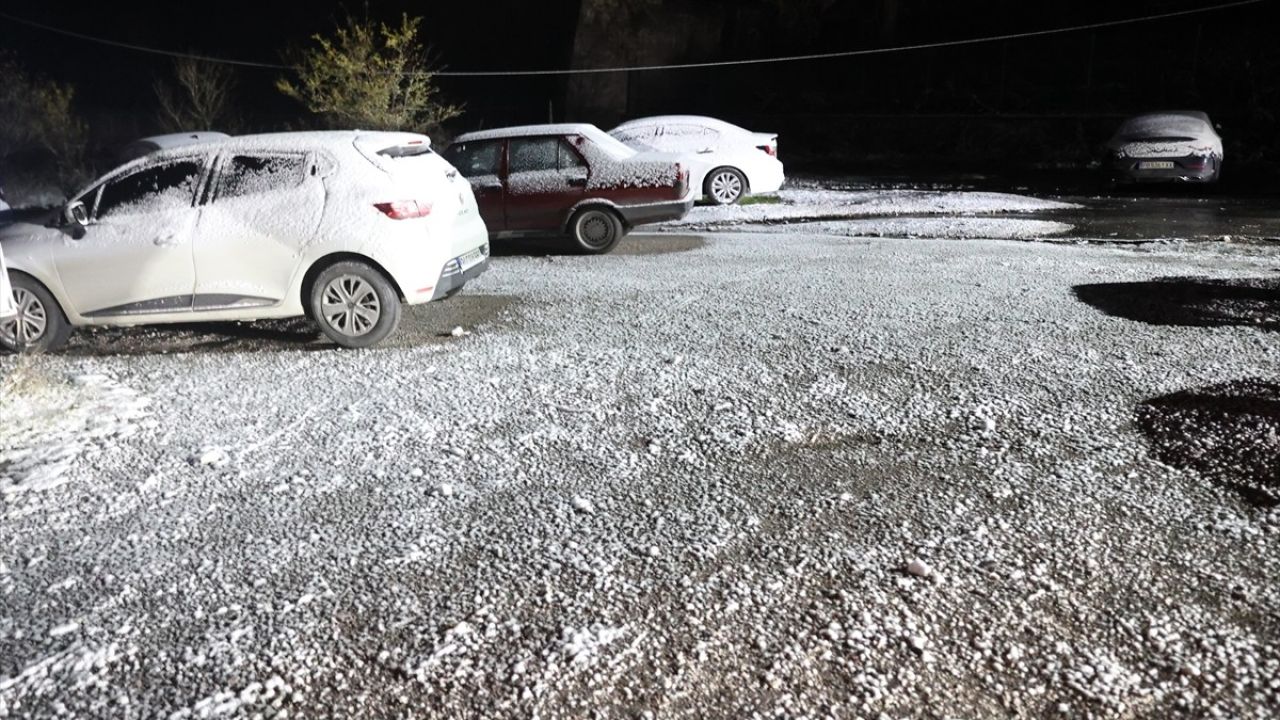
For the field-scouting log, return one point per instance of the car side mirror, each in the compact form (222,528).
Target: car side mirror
(75,214)
(76,219)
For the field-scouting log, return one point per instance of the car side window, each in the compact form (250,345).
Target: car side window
(152,189)
(535,154)
(686,138)
(475,159)
(569,159)
(257,174)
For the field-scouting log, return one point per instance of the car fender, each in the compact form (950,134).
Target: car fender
(33,254)
(588,202)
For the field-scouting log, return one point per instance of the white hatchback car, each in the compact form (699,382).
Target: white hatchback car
(727,162)
(342,227)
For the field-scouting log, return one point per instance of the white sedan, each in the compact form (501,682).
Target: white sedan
(728,162)
(342,227)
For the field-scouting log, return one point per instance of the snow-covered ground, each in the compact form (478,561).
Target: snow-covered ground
(808,202)
(785,475)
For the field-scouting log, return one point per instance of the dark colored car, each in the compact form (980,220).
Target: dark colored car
(1175,146)
(575,180)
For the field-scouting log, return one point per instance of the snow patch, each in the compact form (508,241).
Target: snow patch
(49,426)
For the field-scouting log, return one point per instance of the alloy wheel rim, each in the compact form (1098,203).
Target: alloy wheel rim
(726,187)
(31,322)
(350,305)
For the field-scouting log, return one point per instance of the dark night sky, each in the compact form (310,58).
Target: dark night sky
(1145,63)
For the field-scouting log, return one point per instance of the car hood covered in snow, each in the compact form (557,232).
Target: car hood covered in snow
(1171,134)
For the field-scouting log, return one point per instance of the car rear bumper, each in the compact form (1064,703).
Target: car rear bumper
(1129,172)
(769,179)
(657,212)
(453,278)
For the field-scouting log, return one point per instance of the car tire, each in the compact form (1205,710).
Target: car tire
(41,326)
(596,230)
(354,304)
(725,186)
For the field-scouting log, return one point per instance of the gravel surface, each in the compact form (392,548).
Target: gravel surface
(770,475)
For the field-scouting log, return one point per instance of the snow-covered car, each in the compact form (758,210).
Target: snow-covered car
(571,179)
(342,227)
(727,162)
(148,145)
(1179,146)
(8,307)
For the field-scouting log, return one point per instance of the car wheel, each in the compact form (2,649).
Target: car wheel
(40,325)
(355,306)
(725,186)
(596,230)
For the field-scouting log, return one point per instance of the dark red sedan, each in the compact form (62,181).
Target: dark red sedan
(573,180)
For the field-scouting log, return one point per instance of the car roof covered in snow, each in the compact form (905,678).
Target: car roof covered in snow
(531,131)
(601,138)
(364,140)
(702,120)
(367,142)
(1172,123)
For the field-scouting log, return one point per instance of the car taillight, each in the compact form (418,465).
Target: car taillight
(770,150)
(1196,162)
(682,180)
(404,209)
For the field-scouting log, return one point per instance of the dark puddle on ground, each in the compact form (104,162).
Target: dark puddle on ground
(1190,301)
(1228,433)
(420,325)
(634,244)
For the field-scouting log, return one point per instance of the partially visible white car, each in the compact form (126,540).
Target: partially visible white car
(342,227)
(728,162)
(8,309)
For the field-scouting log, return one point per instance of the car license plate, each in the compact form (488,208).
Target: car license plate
(471,259)
(1155,165)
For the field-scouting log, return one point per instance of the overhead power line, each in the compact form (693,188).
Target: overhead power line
(676,66)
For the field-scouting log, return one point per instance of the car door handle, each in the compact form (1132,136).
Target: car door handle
(166,240)
(577,182)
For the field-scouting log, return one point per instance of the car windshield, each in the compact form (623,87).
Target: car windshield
(1164,128)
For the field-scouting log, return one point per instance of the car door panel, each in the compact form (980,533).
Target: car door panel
(545,177)
(134,256)
(263,209)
